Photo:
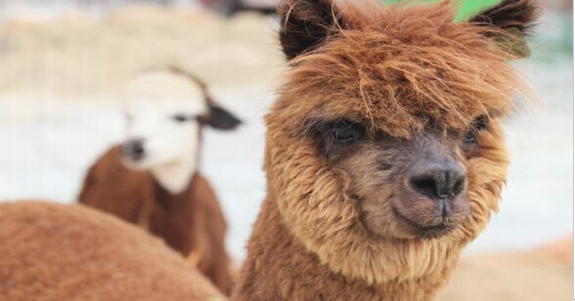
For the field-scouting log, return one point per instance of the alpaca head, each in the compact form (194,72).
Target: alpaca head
(385,149)
(166,110)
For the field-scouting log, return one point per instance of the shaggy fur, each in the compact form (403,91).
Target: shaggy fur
(191,222)
(54,252)
(400,71)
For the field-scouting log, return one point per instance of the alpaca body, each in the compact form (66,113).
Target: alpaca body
(57,252)
(191,221)
(151,179)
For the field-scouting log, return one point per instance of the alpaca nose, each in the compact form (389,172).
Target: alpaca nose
(438,181)
(133,149)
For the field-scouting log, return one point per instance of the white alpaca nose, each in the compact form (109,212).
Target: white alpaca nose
(134,149)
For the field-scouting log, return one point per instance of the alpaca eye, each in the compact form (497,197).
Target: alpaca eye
(470,137)
(481,123)
(181,118)
(345,131)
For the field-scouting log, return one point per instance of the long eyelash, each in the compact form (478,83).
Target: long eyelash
(312,129)
(343,122)
(310,126)
(481,123)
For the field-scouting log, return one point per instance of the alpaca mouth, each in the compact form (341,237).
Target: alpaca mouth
(424,231)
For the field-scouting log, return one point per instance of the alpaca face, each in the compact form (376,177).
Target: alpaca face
(163,120)
(166,112)
(385,149)
(408,188)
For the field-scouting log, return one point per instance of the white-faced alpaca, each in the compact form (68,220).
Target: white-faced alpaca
(54,252)
(152,178)
(384,151)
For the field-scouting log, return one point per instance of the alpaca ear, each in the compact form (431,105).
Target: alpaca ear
(515,18)
(305,24)
(221,119)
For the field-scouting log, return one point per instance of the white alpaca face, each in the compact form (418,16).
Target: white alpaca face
(163,129)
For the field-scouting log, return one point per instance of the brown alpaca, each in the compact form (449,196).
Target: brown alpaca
(55,252)
(384,152)
(145,182)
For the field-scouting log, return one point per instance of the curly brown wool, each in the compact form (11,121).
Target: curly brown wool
(55,252)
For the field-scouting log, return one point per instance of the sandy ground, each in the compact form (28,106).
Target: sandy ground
(58,112)
(542,274)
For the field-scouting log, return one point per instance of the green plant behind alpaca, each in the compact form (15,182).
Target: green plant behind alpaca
(467,7)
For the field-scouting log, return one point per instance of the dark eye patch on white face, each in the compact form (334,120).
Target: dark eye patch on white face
(182,117)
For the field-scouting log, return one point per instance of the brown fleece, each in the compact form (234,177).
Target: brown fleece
(54,252)
(400,71)
(191,222)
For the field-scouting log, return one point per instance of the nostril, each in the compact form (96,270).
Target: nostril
(458,186)
(438,183)
(424,185)
(138,148)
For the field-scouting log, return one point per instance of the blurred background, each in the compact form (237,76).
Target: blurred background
(62,62)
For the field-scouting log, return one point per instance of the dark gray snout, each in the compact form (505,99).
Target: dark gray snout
(134,149)
(437,179)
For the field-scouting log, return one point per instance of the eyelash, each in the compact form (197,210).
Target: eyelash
(480,124)
(471,137)
(344,131)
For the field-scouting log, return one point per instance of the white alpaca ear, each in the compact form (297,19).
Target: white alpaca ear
(305,24)
(516,18)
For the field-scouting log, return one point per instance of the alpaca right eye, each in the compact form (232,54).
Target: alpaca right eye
(345,131)
(180,118)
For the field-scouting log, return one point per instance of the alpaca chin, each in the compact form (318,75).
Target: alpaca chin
(175,177)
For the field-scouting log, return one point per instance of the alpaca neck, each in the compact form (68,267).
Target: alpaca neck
(278,267)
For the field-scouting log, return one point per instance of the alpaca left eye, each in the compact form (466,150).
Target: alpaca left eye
(481,123)
(345,131)
(181,118)
(471,137)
